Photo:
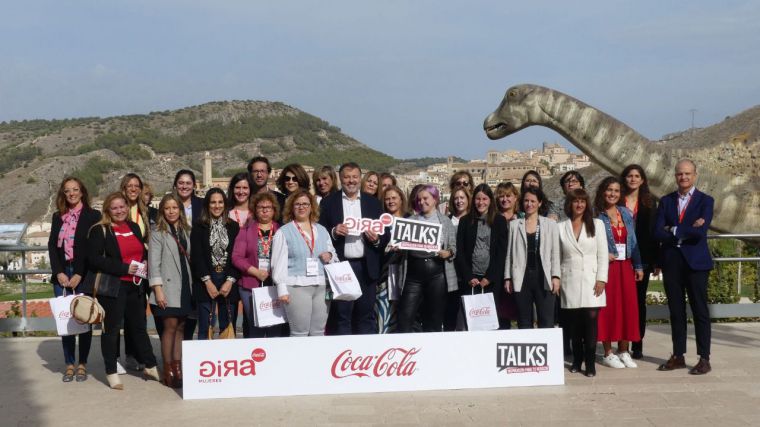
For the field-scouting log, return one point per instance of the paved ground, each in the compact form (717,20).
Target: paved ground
(32,394)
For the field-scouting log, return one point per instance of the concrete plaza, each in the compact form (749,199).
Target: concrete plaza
(32,394)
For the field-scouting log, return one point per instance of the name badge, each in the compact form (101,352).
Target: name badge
(620,251)
(312,267)
(264,264)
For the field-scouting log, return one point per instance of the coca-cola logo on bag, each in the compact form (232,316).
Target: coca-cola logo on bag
(393,362)
(269,305)
(64,314)
(343,278)
(212,371)
(481,311)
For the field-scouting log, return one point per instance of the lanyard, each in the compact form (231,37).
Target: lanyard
(620,225)
(266,244)
(237,217)
(683,211)
(305,239)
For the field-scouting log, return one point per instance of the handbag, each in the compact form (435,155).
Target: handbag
(229,332)
(480,311)
(343,281)
(87,309)
(64,321)
(268,310)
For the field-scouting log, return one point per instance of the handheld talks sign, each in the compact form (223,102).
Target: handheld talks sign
(416,235)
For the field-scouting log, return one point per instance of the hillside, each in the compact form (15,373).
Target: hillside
(36,154)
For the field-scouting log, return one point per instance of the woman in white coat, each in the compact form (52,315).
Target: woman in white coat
(584,267)
(532,268)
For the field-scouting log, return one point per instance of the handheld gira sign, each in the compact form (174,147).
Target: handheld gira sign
(415,235)
(357,226)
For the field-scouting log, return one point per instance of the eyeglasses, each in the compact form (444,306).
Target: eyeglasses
(264,208)
(571,180)
(259,172)
(301,205)
(462,183)
(289,178)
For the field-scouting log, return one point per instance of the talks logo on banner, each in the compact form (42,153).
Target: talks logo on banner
(416,235)
(216,371)
(393,362)
(520,358)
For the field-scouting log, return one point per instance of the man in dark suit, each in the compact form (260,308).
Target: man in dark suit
(683,218)
(259,169)
(363,252)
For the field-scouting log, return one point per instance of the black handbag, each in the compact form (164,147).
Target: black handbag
(106,284)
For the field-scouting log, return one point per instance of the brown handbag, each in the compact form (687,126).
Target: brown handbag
(87,309)
(229,332)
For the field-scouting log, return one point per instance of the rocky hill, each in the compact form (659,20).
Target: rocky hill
(36,154)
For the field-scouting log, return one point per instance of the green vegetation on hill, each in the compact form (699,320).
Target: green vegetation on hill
(214,134)
(11,158)
(367,158)
(91,173)
(38,127)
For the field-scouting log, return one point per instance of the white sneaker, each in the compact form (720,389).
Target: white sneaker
(612,361)
(625,357)
(120,369)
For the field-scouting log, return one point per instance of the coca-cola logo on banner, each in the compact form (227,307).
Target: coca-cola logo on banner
(269,305)
(215,371)
(393,362)
(521,358)
(480,311)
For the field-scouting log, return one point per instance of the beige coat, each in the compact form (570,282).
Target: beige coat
(164,268)
(517,252)
(584,262)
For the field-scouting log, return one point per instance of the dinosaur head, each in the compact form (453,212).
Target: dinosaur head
(513,112)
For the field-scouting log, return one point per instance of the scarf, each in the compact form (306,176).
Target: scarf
(69,227)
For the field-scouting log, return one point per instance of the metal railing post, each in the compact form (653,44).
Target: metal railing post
(23,294)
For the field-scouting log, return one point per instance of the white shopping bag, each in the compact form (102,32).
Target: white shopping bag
(480,311)
(343,281)
(268,310)
(64,321)
(394,287)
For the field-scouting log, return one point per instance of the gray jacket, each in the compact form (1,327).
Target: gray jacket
(517,252)
(448,242)
(164,260)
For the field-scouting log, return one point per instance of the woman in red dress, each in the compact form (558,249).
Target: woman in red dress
(619,320)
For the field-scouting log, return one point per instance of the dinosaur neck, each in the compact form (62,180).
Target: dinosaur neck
(609,142)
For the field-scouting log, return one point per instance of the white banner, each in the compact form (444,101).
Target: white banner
(371,363)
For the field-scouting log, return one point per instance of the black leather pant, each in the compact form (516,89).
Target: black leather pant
(425,287)
(582,323)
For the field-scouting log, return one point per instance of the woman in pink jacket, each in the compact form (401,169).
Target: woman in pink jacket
(252,256)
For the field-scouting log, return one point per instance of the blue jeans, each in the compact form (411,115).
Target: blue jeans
(70,341)
(210,307)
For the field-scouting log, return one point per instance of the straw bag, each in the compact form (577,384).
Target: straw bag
(229,332)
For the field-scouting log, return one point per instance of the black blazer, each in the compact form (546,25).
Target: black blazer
(200,256)
(153,215)
(196,204)
(331,214)
(87,218)
(467,232)
(104,254)
(648,246)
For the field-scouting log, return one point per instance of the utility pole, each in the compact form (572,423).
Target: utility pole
(692,111)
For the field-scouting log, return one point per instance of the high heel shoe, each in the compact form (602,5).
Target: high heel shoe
(575,368)
(114,382)
(151,374)
(176,367)
(168,375)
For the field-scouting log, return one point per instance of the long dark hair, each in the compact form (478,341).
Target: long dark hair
(206,213)
(645,196)
(491,213)
(588,214)
(242,176)
(599,203)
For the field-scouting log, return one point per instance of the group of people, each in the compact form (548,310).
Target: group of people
(582,263)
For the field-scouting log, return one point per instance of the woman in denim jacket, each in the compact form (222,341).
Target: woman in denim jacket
(619,320)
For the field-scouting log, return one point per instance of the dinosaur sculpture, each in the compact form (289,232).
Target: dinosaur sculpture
(614,145)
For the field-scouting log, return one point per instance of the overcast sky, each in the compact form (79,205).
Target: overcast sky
(409,78)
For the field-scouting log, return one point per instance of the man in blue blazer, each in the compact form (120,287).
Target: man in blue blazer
(683,218)
(363,252)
